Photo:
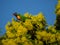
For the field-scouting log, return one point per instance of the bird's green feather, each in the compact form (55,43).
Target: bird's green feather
(23,18)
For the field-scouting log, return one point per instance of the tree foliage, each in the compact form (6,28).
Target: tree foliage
(32,31)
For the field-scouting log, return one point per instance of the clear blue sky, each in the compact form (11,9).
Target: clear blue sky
(8,7)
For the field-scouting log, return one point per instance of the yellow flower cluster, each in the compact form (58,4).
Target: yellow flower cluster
(58,8)
(27,15)
(19,32)
(28,24)
(30,32)
(8,42)
(52,29)
(58,5)
(49,38)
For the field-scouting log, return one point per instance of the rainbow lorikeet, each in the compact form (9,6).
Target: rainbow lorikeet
(20,17)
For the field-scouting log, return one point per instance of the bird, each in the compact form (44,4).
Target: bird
(20,17)
(17,16)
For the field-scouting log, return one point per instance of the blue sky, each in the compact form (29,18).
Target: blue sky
(8,7)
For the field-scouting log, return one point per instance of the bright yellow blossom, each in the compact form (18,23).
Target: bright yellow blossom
(40,16)
(21,30)
(23,39)
(27,15)
(9,42)
(10,35)
(28,24)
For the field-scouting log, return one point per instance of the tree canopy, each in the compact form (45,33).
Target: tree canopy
(31,30)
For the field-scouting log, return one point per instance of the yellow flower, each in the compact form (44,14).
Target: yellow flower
(27,43)
(27,15)
(43,33)
(15,24)
(58,36)
(28,24)
(21,30)
(23,39)
(38,32)
(52,38)
(41,25)
(18,40)
(40,16)
(34,18)
(4,41)
(8,27)
(48,35)
(58,5)
(9,42)
(10,35)
(52,29)
(38,37)
(40,43)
